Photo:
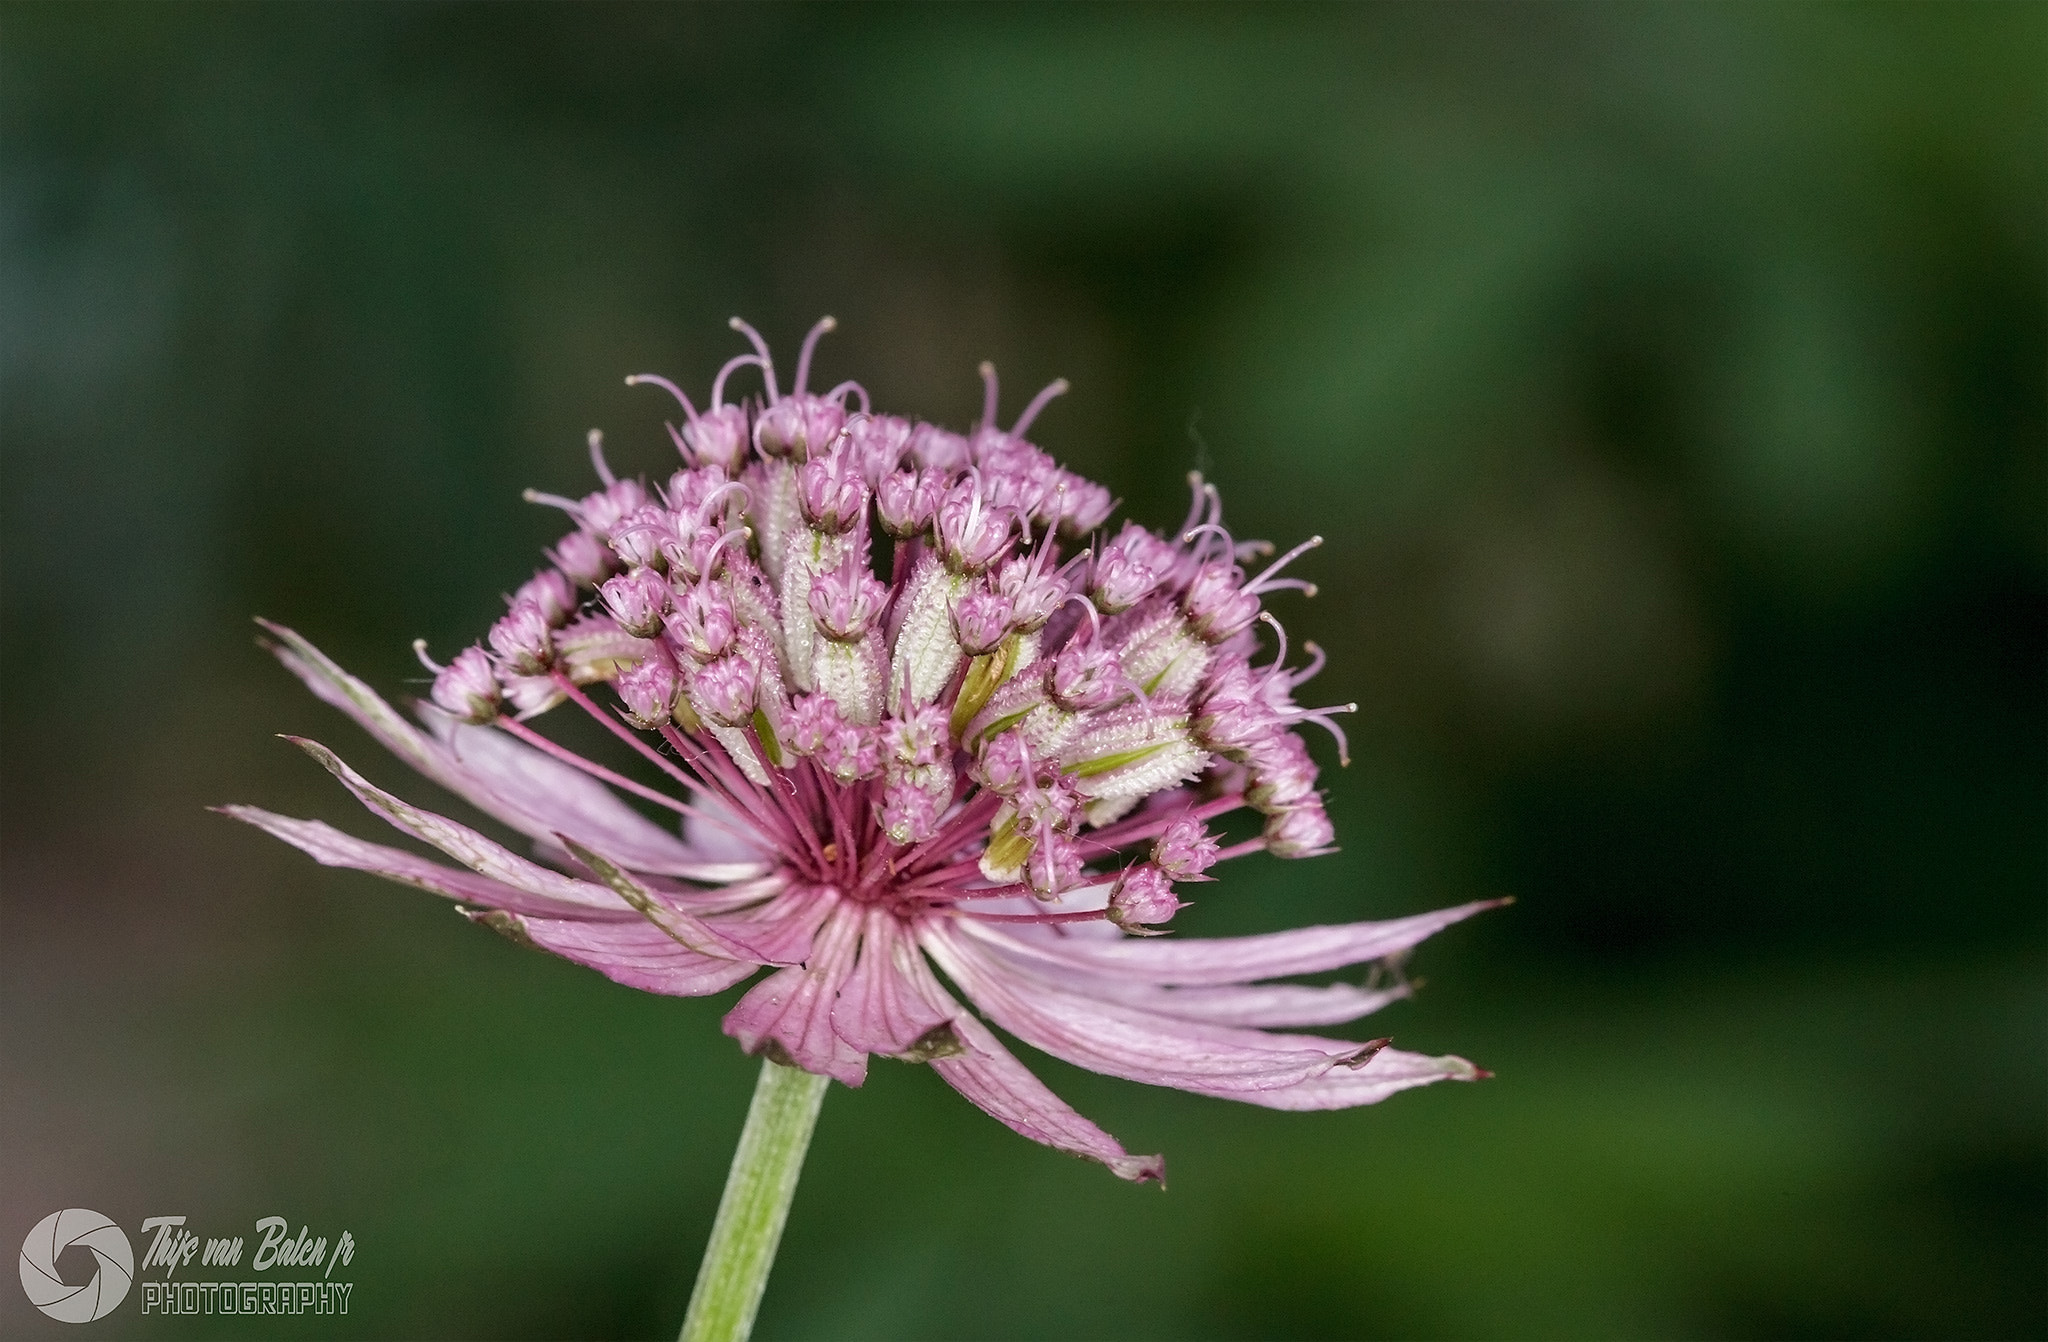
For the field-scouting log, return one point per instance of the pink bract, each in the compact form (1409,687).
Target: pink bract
(963,733)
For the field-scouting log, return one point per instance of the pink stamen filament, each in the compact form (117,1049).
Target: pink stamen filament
(667,766)
(604,470)
(1195,507)
(1057,387)
(595,770)
(654,380)
(810,347)
(1315,663)
(569,506)
(850,388)
(732,365)
(1320,717)
(988,395)
(1260,583)
(760,349)
(954,832)
(803,826)
(1153,823)
(1078,916)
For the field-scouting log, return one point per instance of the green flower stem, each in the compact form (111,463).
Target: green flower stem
(756,1203)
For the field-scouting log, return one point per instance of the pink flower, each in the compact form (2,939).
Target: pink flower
(990,758)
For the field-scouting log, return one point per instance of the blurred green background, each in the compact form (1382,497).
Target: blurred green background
(1669,383)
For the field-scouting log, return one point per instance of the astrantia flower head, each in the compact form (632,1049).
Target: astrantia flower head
(918,715)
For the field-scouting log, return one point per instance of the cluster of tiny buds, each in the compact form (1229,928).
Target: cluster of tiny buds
(887,602)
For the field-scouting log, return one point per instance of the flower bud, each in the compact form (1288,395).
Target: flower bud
(1004,763)
(917,741)
(998,453)
(1216,606)
(1141,899)
(845,600)
(467,687)
(718,437)
(702,553)
(703,623)
(1234,717)
(639,537)
(906,501)
(553,593)
(523,640)
(850,753)
(726,691)
(1053,865)
(1033,593)
(1301,831)
(906,814)
(846,750)
(688,489)
(602,511)
(970,533)
(877,443)
(1282,774)
(1027,493)
(583,558)
(531,696)
(812,718)
(1084,505)
(798,426)
(831,493)
(648,691)
(1129,569)
(637,600)
(1185,850)
(938,449)
(1085,675)
(981,620)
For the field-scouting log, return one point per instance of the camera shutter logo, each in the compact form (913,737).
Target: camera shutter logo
(49,1292)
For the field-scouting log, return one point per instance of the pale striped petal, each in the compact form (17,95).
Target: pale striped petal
(1390,1072)
(996,1083)
(556,799)
(331,848)
(637,954)
(504,778)
(1227,960)
(1125,1041)
(788,1015)
(879,1011)
(462,843)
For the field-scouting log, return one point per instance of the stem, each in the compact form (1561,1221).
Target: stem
(758,1192)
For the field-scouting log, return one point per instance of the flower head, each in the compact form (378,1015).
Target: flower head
(911,719)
